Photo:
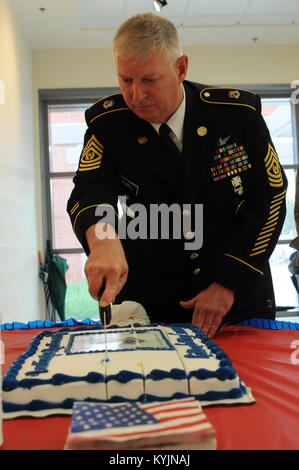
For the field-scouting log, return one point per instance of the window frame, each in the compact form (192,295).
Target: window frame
(59,97)
(281,91)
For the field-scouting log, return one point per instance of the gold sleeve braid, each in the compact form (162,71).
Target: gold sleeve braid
(266,233)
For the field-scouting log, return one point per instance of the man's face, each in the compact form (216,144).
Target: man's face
(152,89)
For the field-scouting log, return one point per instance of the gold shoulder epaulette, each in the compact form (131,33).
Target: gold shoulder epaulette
(232,96)
(106,105)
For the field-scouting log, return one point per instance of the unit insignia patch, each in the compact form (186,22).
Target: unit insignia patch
(108,104)
(234,94)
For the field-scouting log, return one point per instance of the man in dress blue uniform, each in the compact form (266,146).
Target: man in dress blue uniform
(223,160)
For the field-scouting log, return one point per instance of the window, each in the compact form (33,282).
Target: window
(62,131)
(279,114)
(63,127)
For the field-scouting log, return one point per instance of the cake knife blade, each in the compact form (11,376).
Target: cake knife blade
(104,312)
(105,316)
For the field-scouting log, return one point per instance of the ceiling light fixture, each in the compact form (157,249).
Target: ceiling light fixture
(158,4)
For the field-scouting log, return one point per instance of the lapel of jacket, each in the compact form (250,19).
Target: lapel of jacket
(152,153)
(199,145)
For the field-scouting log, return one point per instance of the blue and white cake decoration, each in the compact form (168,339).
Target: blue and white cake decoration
(141,363)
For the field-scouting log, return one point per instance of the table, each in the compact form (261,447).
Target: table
(266,359)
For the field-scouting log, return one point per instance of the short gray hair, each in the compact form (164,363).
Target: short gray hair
(142,33)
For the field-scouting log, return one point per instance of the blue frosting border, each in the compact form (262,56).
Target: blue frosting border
(253,322)
(40,324)
(67,404)
(225,371)
(10,381)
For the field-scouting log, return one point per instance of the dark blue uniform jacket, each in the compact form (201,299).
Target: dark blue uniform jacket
(228,167)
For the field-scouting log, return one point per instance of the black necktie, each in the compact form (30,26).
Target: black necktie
(168,142)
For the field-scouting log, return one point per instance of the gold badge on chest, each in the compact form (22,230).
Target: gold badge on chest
(202,131)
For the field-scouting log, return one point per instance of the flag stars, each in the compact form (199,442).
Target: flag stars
(104,417)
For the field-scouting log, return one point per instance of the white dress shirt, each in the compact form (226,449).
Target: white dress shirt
(176,123)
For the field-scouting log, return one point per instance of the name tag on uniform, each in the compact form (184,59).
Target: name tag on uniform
(132,187)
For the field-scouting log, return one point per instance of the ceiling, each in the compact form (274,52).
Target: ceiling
(49,24)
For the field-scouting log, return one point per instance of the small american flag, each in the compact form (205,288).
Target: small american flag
(118,423)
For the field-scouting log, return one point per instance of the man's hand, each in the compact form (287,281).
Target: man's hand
(209,307)
(106,261)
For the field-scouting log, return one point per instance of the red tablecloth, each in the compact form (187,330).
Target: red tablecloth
(266,360)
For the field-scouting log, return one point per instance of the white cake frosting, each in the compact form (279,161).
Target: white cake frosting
(133,362)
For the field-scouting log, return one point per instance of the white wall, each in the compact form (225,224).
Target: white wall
(255,64)
(20,290)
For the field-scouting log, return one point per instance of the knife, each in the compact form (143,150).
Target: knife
(105,312)
(105,316)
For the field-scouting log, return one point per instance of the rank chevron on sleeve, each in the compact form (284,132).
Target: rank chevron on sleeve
(273,168)
(91,155)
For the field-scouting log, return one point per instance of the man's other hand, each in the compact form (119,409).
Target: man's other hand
(209,307)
